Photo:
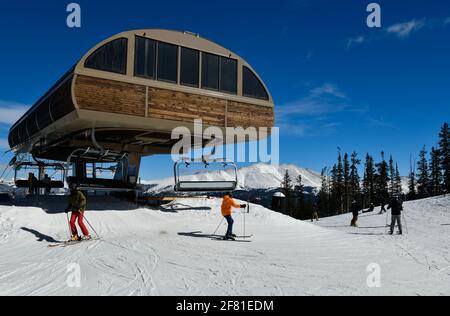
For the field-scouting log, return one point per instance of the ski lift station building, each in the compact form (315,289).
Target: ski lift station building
(129,92)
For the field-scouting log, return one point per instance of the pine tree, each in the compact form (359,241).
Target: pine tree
(423,180)
(340,184)
(382,179)
(355,187)
(299,195)
(444,151)
(435,172)
(347,192)
(334,188)
(286,184)
(369,181)
(412,183)
(324,194)
(398,181)
(392,185)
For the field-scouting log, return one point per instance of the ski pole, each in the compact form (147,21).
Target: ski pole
(218,226)
(91,227)
(387,221)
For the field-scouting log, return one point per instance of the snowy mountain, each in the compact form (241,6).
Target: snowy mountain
(171,251)
(258,176)
(255,177)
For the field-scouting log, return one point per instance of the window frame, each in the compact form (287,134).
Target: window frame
(199,59)
(177,63)
(220,75)
(155,58)
(124,71)
(218,72)
(267,96)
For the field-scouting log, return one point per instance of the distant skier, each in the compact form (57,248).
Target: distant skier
(30,183)
(47,184)
(383,206)
(227,206)
(315,213)
(355,210)
(396,208)
(371,208)
(77,205)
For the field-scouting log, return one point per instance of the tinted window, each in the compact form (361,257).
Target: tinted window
(167,62)
(189,67)
(145,58)
(31,123)
(252,86)
(111,57)
(228,75)
(210,71)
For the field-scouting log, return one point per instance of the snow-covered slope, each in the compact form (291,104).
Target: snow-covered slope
(171,252)
(257,176)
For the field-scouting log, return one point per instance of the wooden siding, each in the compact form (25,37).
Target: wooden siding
(185,107)
(248,115)
(110,96)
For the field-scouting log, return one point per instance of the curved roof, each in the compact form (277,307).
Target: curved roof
(184,39)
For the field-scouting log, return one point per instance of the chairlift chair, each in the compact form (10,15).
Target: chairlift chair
(39,166)
(197,186)
(92,155)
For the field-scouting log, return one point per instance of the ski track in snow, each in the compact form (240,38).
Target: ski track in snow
(157,252)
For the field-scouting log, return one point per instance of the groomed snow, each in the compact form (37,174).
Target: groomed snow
(170,252)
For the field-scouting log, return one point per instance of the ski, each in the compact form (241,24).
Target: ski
(71,243)
(232,240)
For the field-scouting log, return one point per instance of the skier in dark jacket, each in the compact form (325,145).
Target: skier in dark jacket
(315,213)
(396,208)
(355,210)
(383,206)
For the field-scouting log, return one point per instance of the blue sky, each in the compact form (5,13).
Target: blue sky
(335,82)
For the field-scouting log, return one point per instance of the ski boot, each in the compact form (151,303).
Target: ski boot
(229,237)
(86,238)
(75,238)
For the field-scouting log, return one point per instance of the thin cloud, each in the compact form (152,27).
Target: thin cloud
(314,114)
(10,112)
(355,41)
(401,30)
(320,101)
(328,89)
(404,30)
(381,123)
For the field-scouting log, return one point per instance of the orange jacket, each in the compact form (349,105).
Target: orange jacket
(227,205)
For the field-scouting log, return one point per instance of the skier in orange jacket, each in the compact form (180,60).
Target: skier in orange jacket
(227,207)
